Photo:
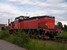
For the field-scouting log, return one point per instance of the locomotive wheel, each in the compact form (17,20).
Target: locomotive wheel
(11,31)
(52,36)
(33,33)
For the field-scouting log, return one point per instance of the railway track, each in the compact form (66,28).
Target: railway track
(56,39)
(60,39)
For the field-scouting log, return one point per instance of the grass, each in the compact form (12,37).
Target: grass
(22,39)
(42,45)
(35,45)
(63,34)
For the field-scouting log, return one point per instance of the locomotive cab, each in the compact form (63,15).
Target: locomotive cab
(21,18)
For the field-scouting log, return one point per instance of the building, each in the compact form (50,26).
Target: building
(2,26)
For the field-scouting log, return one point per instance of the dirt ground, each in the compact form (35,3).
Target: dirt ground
(4,45)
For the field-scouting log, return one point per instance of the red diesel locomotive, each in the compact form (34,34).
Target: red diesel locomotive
(39,26)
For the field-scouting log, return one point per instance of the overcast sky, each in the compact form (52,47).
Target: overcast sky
(14,8)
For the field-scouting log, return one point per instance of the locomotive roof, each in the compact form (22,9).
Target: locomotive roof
(20,16)
(17,17)
(41,17)
(36,17)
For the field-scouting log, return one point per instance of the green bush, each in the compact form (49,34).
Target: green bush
(11,39)
(20,38)
(4,34)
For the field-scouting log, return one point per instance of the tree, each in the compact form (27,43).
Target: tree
(65,27)
(60,25)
